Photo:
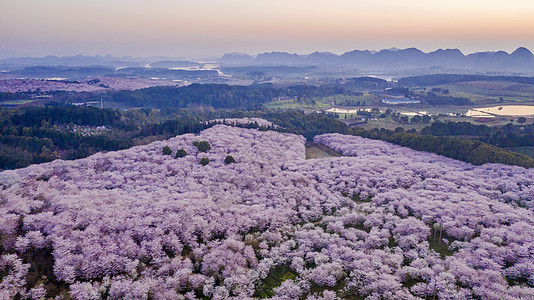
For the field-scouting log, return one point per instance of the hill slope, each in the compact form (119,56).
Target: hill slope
(140,224)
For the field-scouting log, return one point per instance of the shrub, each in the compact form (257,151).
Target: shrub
(416,119)
(203,146)
(229,160)
(180,153)
(204,161)
(166,150)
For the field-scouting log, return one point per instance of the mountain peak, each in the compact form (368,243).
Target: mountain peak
(522,51)
(451,51)
(392,49)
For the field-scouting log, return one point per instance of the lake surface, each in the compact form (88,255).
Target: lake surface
(505,110)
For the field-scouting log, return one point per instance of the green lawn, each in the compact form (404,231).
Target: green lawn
(438,245)
(326,102)
(388,123)
(391,125)
(15,102)
(275,278)
(319,151)
(320,103)
(482,92)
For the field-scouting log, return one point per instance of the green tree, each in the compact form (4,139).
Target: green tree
(521,120)
(229,160)
(204,161)
(203,146)
(416,119)
(166,150)
(180,153)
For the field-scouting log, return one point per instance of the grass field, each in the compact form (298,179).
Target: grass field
(15,102)
(294,104)
(391,125)
(319,151)
(491,121)
(326,102)
(388,123)
(347,116)
(485,92)
(275,278)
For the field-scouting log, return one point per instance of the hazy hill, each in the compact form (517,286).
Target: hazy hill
(71,61)
(174,64)
(239,58)
(520,61)
(280,58)
(18,63)
(78,73)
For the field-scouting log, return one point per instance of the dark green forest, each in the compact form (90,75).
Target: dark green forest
(501,136)
(35,135)
(252,97)
(465,149)
(216,96)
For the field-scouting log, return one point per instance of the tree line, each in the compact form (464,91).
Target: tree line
(468,150)
(35,135)
(216,96)
(501,136)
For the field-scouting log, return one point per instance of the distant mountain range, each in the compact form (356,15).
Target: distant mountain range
(521,60)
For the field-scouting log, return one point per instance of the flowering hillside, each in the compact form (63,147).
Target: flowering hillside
(14,85)
(382,222)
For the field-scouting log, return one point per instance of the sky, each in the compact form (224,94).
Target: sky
(210,28)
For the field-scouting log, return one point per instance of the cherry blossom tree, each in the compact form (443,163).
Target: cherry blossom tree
(382,221)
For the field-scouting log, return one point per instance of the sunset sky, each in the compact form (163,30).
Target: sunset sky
(208,28)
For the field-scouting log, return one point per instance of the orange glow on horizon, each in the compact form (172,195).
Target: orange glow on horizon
(246,24)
